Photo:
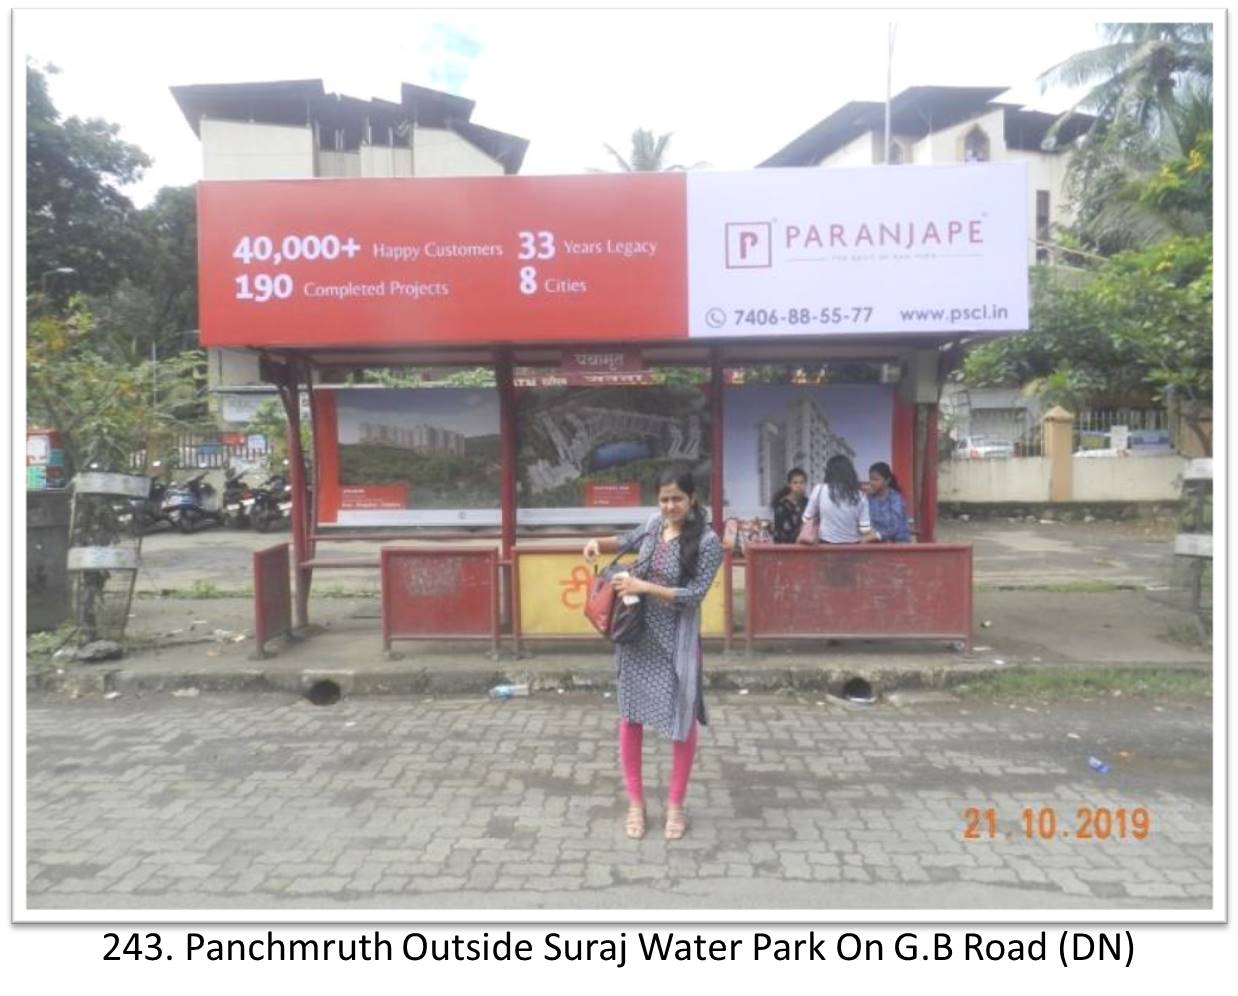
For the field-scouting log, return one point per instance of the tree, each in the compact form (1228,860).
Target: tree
(647,155)
(1136,77)
(149,314)
(75,215)
(104,410)
(1138,328)
(1120,184)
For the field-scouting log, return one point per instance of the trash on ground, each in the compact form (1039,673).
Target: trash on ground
(981,650)
(1125,755)
(1099,766)
(1073,736)
(111,695)
(223,634)
(743,691)
(199,622)
(238,638)
(186,693)
(505,692)
(987,623)
(999,662)
(100,650)
(351,722)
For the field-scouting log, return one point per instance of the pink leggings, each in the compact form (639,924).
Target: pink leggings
(682,753)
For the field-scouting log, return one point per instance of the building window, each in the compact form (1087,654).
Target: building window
(976,146)
(1042,226)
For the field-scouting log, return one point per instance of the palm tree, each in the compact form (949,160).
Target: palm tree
(648,151)
(1136,78)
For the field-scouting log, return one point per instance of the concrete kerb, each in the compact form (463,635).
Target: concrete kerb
(543,677)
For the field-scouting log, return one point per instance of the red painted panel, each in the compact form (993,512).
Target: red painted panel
(326,457)
(272,594)
(442,260)
(894,590)
(614,495)
(439,592)
(371,496)
(902,447)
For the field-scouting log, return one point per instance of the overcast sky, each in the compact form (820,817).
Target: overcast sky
(733,86)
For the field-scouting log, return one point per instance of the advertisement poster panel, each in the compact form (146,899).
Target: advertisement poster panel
(787,252)
(817,252)
(593,454)
(425,456)
(770,428)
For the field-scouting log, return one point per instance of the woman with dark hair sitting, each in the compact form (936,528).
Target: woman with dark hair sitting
(659,674)
(885,505)
(839,506)
(789,504)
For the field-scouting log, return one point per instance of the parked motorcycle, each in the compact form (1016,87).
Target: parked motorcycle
(238,500)
(272,503)
(147,514)
(193,504)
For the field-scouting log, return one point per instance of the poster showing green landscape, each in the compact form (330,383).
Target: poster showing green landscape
(443,443)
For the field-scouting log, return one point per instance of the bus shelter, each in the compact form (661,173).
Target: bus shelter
(737,323)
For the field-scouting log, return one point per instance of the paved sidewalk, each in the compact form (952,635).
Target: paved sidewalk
(381,803)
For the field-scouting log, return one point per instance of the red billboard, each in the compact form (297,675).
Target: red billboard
(478,259)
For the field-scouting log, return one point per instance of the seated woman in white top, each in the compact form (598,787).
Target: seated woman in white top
(840,507)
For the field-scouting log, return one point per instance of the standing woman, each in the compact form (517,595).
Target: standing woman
(789,505)
(839,506)
(659,673)
(885,505)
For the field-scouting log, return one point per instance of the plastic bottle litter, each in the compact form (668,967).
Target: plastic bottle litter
(1099,766)
(505,692)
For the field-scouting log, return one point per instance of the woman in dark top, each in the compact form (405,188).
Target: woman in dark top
(789,505)
(886,508)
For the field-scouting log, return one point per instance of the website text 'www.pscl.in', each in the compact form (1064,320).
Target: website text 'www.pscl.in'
(953,316)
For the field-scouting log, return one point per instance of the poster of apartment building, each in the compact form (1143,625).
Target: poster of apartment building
(417,449)
(593,454)
(771,428)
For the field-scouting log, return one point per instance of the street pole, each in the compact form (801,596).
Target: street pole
(889,78)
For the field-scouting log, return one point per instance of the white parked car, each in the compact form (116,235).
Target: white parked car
(983,448)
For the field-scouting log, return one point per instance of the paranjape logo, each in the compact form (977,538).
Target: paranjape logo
(749,245)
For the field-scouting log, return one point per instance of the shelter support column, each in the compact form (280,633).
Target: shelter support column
(503,377)
(926,514)
(290,394)
(921,386)
(715,455)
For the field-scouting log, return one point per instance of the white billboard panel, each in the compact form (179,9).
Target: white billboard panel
(831,251)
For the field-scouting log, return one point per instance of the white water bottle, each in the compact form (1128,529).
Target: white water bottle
(627,599)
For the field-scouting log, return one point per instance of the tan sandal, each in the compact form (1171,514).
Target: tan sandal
(676,823)
(634,822)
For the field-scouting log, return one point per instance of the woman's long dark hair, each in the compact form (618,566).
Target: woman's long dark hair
(693,525)
(785,490)
(842,481)
(883,468)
